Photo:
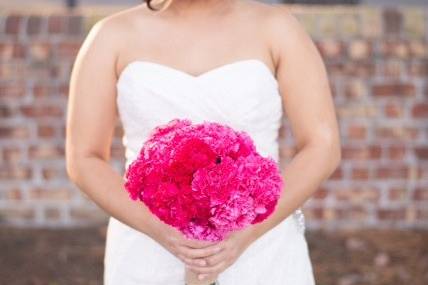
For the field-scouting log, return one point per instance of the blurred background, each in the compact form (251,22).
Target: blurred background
(367,224)
(136,2)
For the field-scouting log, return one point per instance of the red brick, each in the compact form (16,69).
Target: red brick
(352,213)
(394,89)
(320,194)
(359,49)
(361,152)
(13,194)
(394,49)
(335,68)
(392,171)
(68,49)
(10,51)
(40,51)
(392,21)
(52,213)
(355,89)
(34,25)
(314,213)
(418,49)
(361,69)
(397,194)
(337,174)
(16,132)
(10,71)
(396,152)
(420,110)
(420,194)
(60,71)
(46,131)
(45,151)
(12,154)
(358,195)
(422,214)
(421,152)
(394,110)
(56,194)
(43,90)
(391,214)
(419,68)
(360,173)
(17,213)
(357,132)
(52,173)
(425,90)
(87,214)
(6,111)
(62,131)
(13,24)
(42,111)
(57,24)
(12,89)
(330,48)
(75,25)
(63,90)
(397,133)
(394,68)
(14,172)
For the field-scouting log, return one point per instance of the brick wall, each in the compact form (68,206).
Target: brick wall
(377,59)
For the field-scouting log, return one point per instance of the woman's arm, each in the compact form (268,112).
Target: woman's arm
(309,106)
(91,118)
(308,102)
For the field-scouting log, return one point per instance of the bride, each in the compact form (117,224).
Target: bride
(239,62)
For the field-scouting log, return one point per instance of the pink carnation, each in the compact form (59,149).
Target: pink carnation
(206,179)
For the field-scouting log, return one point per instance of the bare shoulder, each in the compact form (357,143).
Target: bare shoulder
(288,37)
(270,14)
(111,35)
(280,26)
(283,24)
(126,18)
(114,29)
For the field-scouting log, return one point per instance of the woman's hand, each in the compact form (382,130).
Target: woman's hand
(230,249)
(182,247)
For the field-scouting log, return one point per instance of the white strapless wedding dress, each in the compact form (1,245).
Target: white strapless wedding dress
(243,94)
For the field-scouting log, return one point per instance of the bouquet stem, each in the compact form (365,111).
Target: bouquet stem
(192,279)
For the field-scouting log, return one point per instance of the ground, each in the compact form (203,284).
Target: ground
(74,256)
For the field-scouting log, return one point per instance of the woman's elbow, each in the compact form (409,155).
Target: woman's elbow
(335,152)
(71,166)
(73,162)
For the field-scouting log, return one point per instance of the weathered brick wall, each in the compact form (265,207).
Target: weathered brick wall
(377,59)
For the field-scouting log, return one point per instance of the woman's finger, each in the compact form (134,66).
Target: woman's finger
(192,253)
(216,258)
(194,243)
(208,270)
(210,261)
(195,261)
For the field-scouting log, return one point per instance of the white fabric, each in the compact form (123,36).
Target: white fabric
(243,94)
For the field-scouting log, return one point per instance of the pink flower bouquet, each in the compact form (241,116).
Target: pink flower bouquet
(207,180)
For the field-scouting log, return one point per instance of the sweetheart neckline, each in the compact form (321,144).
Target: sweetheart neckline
(201,75)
